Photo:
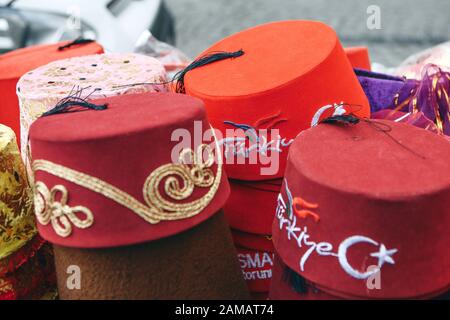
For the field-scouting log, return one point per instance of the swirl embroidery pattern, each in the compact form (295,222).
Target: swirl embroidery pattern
(49,209)
(191,171)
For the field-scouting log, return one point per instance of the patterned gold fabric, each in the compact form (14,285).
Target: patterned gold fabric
(17,221)
(96,76)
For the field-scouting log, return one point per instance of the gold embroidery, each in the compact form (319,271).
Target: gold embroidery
(180,182)
(5,286)
(196,175)
(49,209)
(17,221)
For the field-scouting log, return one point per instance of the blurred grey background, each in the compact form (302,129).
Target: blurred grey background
(407,26)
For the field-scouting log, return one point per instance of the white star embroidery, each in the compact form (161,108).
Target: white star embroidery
(384,256)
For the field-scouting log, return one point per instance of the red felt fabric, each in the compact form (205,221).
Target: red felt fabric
(255,255)
(383,180)
(282,289)
(252,241)
(359,57)
(121,145)
(15,64)
(290,68)
(251,206)
(256,267)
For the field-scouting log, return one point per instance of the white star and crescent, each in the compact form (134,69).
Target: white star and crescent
(384,255)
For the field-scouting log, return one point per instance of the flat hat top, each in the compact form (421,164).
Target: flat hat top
(18,62)
(125,114)
(275,54)
(364,160)
(107,74)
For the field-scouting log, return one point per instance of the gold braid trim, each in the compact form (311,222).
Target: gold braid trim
(49,209)
(191,173)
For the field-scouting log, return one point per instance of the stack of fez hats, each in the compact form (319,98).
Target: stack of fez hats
(130,180)
(121,199)
(26,261)
(109,193)
(260,101)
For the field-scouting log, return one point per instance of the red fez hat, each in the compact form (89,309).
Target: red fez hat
(359,57)
(251,206)
(288,285)
(365,201)
(286,71)
(118,177)
(16,63)
(256,268)
(252,241)
(255,255)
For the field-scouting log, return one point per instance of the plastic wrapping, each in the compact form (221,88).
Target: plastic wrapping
(173,59)
(412,67)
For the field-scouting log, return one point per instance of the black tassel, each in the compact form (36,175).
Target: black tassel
(66,107)
(75,42)
(72,101)
(345,119)
(296,281)
(179,77)
(202,61)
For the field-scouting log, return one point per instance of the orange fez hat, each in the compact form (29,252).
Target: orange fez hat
(287,72)
(16,63)
(359,57)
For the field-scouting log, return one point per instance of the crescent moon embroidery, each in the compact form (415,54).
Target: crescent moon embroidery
(342,256)
(288,221)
